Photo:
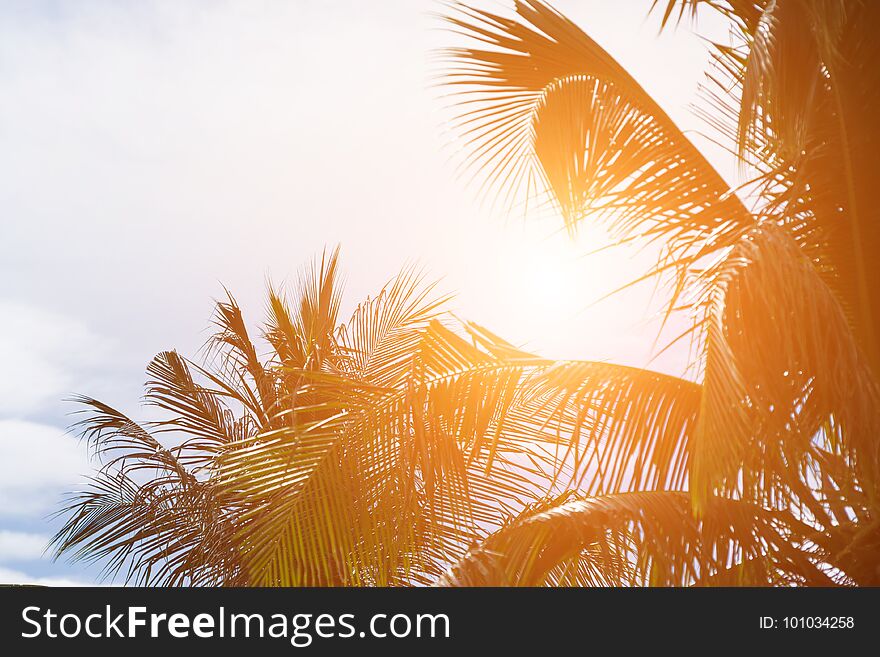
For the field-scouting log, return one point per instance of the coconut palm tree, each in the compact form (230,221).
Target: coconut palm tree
(406,447)
(378,452)
(777,275)
(331,461)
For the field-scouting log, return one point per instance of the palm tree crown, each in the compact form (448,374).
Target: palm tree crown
(784,294)
(406,447)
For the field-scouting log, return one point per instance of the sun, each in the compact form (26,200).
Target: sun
(533,282)
(545,280)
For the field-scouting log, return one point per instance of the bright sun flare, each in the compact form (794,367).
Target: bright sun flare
(545,279)
(539,283)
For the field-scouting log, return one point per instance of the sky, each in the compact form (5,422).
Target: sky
(153,152)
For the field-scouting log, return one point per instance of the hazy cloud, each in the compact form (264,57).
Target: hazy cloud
(21,546)
(43,354)
(37,463)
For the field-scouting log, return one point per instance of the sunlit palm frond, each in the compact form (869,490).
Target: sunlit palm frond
(607,428)
(744,13)
(325,494)
(782,370)
(540,104)
(810,92)
(794,97)
(304,338)
(384,331)
(309,492)
(640,538)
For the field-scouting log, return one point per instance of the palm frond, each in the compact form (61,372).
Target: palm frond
(639,538)
(303,339)
(607,428)
(541,105)
(324,494)
(743,13)
(770,392)
(144,512)
(817,116)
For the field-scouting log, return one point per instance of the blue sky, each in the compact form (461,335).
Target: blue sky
(151,152)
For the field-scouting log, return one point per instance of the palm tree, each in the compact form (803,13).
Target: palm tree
(374,452)
(783,291)
(406,447)
(328,462)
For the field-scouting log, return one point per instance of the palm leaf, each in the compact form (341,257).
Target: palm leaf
(541,104)
(771,395)
(637,538)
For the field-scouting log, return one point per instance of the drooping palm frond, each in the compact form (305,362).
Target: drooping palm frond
(144,512)
(811,90)
(781,366)
(113,437)
(542,107)
(611,428)
(194,410)
(794,97)
(640,538)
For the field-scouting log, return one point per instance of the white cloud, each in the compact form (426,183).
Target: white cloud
(37,463)
(200,143)
(10,576)
(39,349)
(21,546)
